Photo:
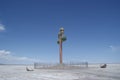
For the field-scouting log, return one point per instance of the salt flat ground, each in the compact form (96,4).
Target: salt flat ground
(93,72)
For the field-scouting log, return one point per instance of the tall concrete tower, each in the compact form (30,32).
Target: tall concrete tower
(61,38)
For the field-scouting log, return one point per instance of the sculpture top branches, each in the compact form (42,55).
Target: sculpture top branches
(61,36)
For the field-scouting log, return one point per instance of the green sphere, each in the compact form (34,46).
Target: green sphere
(64,38)
(58,42)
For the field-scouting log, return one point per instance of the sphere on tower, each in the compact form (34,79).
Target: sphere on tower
(62,30)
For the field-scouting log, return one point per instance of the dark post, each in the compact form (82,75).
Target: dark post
(61,51)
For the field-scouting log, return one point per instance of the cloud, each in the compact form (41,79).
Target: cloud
(7,56)
(2,27)
(115,48)
(4,53)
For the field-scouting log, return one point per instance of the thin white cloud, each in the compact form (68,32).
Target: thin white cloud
(4,52)
(115,48)
(2,27)
(7,56)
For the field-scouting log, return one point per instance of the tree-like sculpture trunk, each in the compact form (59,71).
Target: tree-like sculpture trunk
(61,62)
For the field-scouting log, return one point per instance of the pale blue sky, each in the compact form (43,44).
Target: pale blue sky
(29,30)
